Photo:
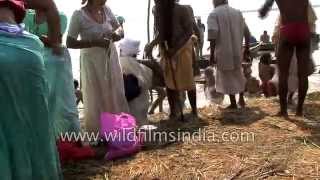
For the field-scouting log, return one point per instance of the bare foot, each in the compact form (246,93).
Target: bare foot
(282,114)
(242,103)
(299,112)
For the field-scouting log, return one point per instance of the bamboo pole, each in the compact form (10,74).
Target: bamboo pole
(148,20)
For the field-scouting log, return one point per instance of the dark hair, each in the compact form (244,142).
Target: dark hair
(266,59)
(164,21)
(76,84)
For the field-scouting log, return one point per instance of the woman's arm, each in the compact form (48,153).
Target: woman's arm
(53,19)
(81,44)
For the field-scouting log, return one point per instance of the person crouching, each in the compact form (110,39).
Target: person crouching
(139,104)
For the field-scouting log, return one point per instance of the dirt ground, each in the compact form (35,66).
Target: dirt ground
(249,143)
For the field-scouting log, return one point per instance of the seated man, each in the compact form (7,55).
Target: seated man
(266,73)
(252,84)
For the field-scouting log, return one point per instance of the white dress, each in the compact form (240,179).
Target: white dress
(101,76)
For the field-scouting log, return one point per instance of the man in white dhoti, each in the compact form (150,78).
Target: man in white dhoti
(226,30)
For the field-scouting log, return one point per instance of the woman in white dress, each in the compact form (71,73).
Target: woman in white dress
(101,76)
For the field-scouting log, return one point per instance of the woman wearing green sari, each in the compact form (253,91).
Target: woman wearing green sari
(27,145)
(62,101)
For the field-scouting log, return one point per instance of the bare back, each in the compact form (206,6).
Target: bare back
(293,10)
(182,27)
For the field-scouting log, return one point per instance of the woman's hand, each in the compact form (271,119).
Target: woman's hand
(115,37)
(56,47)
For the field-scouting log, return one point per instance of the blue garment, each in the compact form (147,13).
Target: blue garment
(27,145)
(63,110)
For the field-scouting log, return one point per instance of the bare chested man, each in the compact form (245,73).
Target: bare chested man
(294,35)
(174,28)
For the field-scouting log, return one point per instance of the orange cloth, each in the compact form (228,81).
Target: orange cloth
(182,68)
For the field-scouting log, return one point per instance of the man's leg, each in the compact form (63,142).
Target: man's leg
(200,49)
(172,99)
(242,102)
(192,96)
(158,101)
(290,98)
(304,60)
(233,102)
(284,58)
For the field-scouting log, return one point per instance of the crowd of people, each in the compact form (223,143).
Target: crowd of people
(39,96)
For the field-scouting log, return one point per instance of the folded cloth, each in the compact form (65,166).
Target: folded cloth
(11,29)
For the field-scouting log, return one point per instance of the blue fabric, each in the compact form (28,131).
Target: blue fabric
(27,145)
(11,29)
(63,110)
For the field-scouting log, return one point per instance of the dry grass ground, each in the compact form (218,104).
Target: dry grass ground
(262,147)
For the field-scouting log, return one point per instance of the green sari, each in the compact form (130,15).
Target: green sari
(27,144)
(63,110)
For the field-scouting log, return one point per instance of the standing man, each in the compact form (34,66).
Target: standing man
(294,35)
(174,29)
(265,38)
(202,29)
(226,29)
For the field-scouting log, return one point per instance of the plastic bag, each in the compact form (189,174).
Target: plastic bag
(119,131)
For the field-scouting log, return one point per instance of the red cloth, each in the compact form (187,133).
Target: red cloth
(296,33)
(17,6)
(72,151)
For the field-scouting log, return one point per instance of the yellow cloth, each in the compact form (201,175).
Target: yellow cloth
(182,69)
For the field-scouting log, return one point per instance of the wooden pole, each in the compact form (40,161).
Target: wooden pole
(148,20)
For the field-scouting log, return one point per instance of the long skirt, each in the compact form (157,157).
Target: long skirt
(102,85)
(27,145)
(62,100)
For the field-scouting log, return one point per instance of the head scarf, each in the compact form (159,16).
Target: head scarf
(17,6)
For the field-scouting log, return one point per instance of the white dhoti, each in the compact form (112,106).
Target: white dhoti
(230,82)
(226,27)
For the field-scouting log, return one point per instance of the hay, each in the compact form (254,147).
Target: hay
(280,149)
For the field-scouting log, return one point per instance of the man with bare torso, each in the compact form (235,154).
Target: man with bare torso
(294,35)
(174,29)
